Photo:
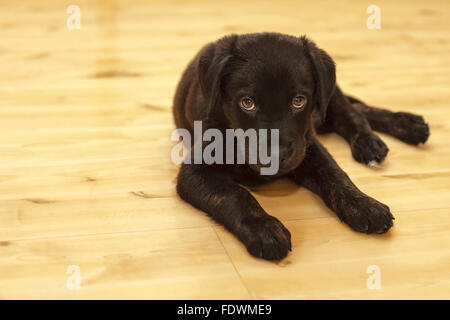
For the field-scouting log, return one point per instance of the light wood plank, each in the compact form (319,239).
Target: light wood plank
(329,261)
(150,265)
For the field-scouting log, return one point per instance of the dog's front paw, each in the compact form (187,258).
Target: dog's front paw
(368,149)
(410,128)
(367,215)
(267,238)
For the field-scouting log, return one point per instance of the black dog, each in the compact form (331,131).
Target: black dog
(270,80)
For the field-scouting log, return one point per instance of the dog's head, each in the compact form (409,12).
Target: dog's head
(268,81)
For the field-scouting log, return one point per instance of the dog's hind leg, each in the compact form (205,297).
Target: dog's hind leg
(350,123)
(407,127)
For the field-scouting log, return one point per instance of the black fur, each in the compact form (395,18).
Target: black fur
(272,68)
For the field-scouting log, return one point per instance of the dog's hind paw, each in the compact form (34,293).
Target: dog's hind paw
(369,149)
(409,128)
(373,164)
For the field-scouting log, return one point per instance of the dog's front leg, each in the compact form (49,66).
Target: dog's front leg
(213,191)
(321,174)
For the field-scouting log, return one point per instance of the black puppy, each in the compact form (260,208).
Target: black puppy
(275,81)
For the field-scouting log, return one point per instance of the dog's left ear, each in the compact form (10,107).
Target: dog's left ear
(324,72)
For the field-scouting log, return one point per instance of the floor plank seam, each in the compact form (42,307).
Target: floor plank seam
(234,266)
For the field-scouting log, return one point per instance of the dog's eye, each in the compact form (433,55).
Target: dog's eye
(299,101)
(247,104)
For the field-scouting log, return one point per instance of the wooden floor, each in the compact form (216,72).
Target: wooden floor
(86,178)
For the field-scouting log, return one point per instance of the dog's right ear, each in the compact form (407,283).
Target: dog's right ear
(212,65)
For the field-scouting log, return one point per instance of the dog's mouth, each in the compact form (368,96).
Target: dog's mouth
(281,168)
(276,173)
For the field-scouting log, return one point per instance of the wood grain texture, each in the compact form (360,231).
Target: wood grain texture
(86,177)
